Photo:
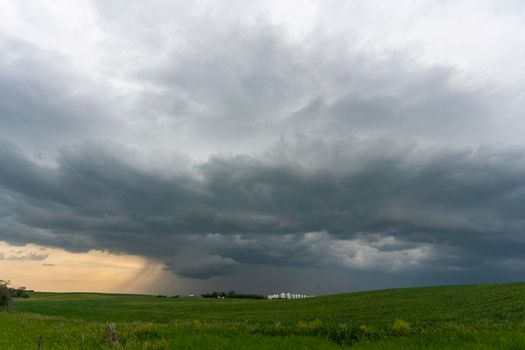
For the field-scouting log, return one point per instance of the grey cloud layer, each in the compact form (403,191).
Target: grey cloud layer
(249,83)
(454,209)
(310,153)
(43,104)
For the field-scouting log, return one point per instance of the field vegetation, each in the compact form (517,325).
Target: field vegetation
(451,317)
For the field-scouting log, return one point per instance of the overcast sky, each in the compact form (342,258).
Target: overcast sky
(262,146)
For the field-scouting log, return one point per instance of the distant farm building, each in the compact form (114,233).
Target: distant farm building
(289,296)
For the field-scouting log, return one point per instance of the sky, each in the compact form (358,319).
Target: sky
(314,147)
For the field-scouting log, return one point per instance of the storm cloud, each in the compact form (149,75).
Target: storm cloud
(217,140)
(357,206)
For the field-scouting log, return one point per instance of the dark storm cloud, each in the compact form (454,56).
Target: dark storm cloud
(290,206)
(198,266)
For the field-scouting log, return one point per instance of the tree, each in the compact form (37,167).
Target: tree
(19,292)
(5,295)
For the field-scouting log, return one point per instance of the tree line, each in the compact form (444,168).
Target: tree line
(231,295)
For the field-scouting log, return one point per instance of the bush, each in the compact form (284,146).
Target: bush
(345,334)
(402,327)
(310,327)
(5,295)
(366,330)
(197,325)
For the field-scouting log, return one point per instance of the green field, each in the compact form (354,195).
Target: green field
(451,317)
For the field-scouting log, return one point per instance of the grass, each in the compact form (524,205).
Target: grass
(451,317)
(21,331)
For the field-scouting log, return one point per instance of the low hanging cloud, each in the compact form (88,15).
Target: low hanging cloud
(343,203)
(22,255)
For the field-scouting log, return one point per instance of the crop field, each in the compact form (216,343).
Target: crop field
(451,317)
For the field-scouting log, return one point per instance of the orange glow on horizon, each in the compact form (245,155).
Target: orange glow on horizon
(55,270)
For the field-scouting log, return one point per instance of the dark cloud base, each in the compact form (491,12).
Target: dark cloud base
(374,205)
